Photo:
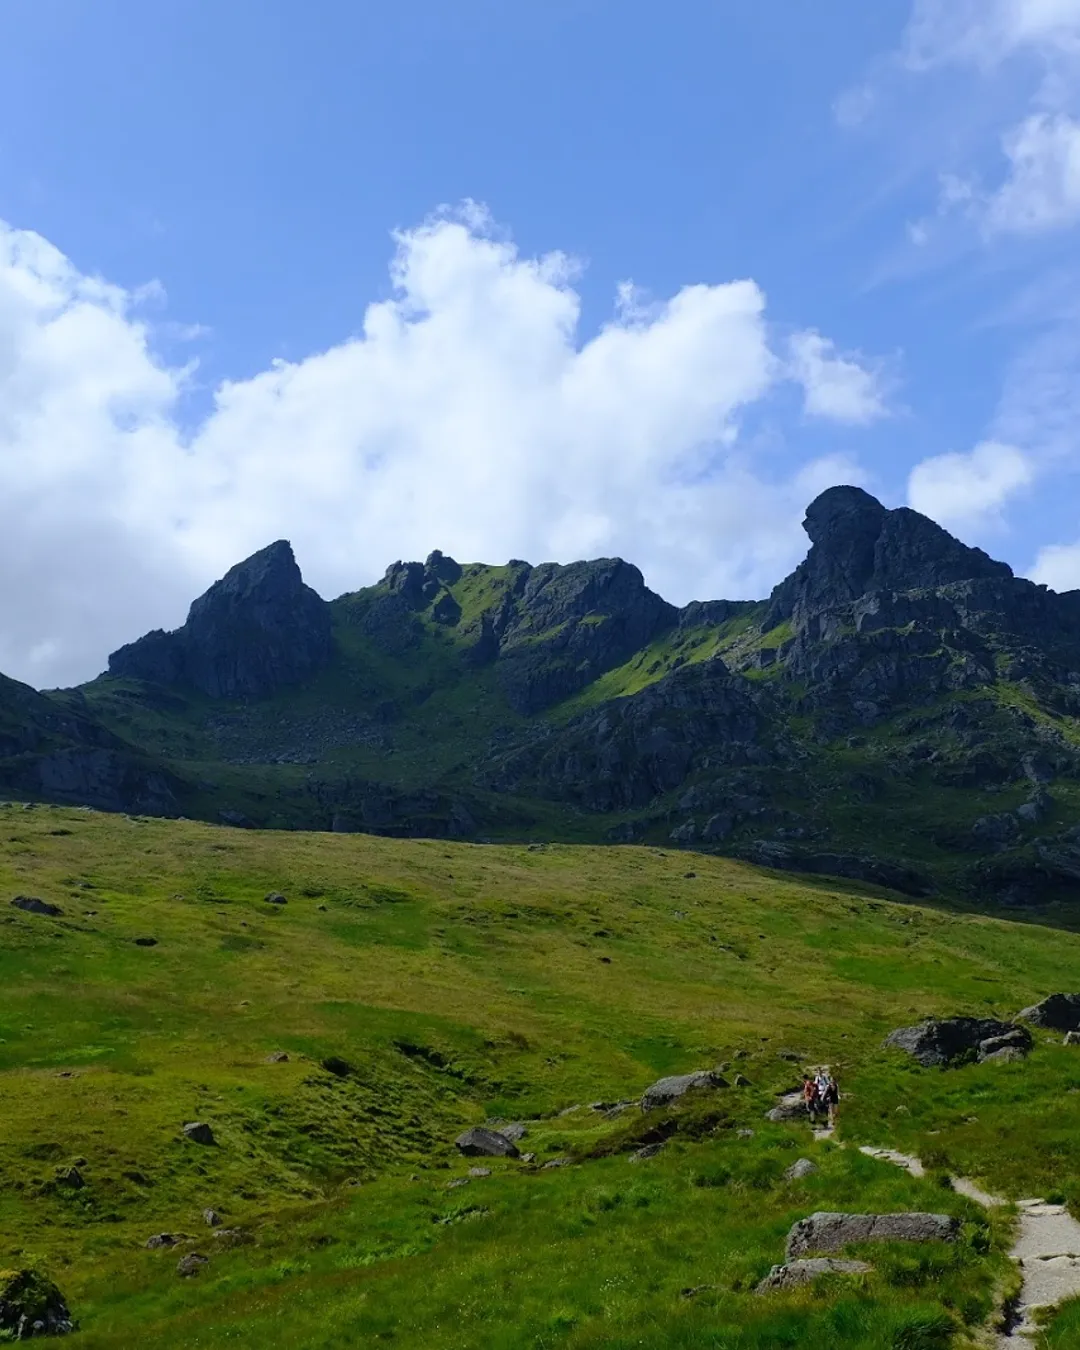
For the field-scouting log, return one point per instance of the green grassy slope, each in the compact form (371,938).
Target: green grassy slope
(462,982)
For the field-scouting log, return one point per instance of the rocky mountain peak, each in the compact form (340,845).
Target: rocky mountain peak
(859,546)
(257,630)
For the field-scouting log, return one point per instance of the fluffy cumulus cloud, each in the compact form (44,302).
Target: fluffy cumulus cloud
(835,386)
(966,489)
(1058,566)
(468,413)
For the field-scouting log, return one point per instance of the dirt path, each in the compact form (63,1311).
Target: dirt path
(1047,1250)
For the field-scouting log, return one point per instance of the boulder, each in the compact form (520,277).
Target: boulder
(797,1273)
(943,1041)
(278,1057)
(211,1218)
(160,1240)
(1058,1012)
(803,1168)
(671,1089)
(480,1142)
(32,905)
(515,1132)
(645,1153)
(199,1132)
(191,1264)
(479,1171)
(826,1232)
(1017,1042)
(276,898)
(70,1177)
(791,1106)
(31,1305)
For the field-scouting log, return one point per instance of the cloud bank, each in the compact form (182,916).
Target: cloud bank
(467,413)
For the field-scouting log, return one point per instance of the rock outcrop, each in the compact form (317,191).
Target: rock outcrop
(941,1042)
(825,1233)
(254,632)
(31,1305)
(1058,1012)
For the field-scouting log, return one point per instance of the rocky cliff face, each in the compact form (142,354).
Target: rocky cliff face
(257,630)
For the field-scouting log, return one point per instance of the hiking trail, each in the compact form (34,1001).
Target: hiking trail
(1046,1250)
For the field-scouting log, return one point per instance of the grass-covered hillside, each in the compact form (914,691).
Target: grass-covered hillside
(419,987)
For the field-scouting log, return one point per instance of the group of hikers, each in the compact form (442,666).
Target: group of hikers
(821,1096)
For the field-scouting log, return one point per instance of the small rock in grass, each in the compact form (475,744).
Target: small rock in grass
(456,1182)
(556,1162)
(230,1237)
(276,898)
(528,1157)
(696,1289)
(191,1264)
(515,1132)
(146,942)
(745,1134)
(741,1080)
(278,1057)
(211,1218)
(31,904)
(161,1240)
(803,1168)
(70,1176)
(199,1132)
(649,1151)
(1072,1038)
(479,1171)
(797,1273)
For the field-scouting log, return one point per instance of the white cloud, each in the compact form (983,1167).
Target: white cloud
(966,489)
(468,414)
(1058,566)
(1042,191)
(835,386)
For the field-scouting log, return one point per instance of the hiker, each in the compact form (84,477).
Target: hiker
(829,1095)
(811,1098)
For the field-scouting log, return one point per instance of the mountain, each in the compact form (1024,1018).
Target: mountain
(902,709)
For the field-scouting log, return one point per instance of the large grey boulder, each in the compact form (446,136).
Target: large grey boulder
(803,1168)
(484,1143)
(1059,1012)
(797,1273)
(825,1232)
(671,1089)
(939,1041)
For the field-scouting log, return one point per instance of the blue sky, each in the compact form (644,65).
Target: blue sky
(536,280)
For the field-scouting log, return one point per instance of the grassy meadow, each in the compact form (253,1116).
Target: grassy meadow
(445,984)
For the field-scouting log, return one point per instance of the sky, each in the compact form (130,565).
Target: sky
(547,281)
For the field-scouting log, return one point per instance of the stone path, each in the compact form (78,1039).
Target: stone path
(1047,1250)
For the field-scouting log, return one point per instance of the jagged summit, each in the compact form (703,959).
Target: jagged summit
(859,546)
(257,630)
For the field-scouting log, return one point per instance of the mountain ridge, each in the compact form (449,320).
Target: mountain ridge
(880,704)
